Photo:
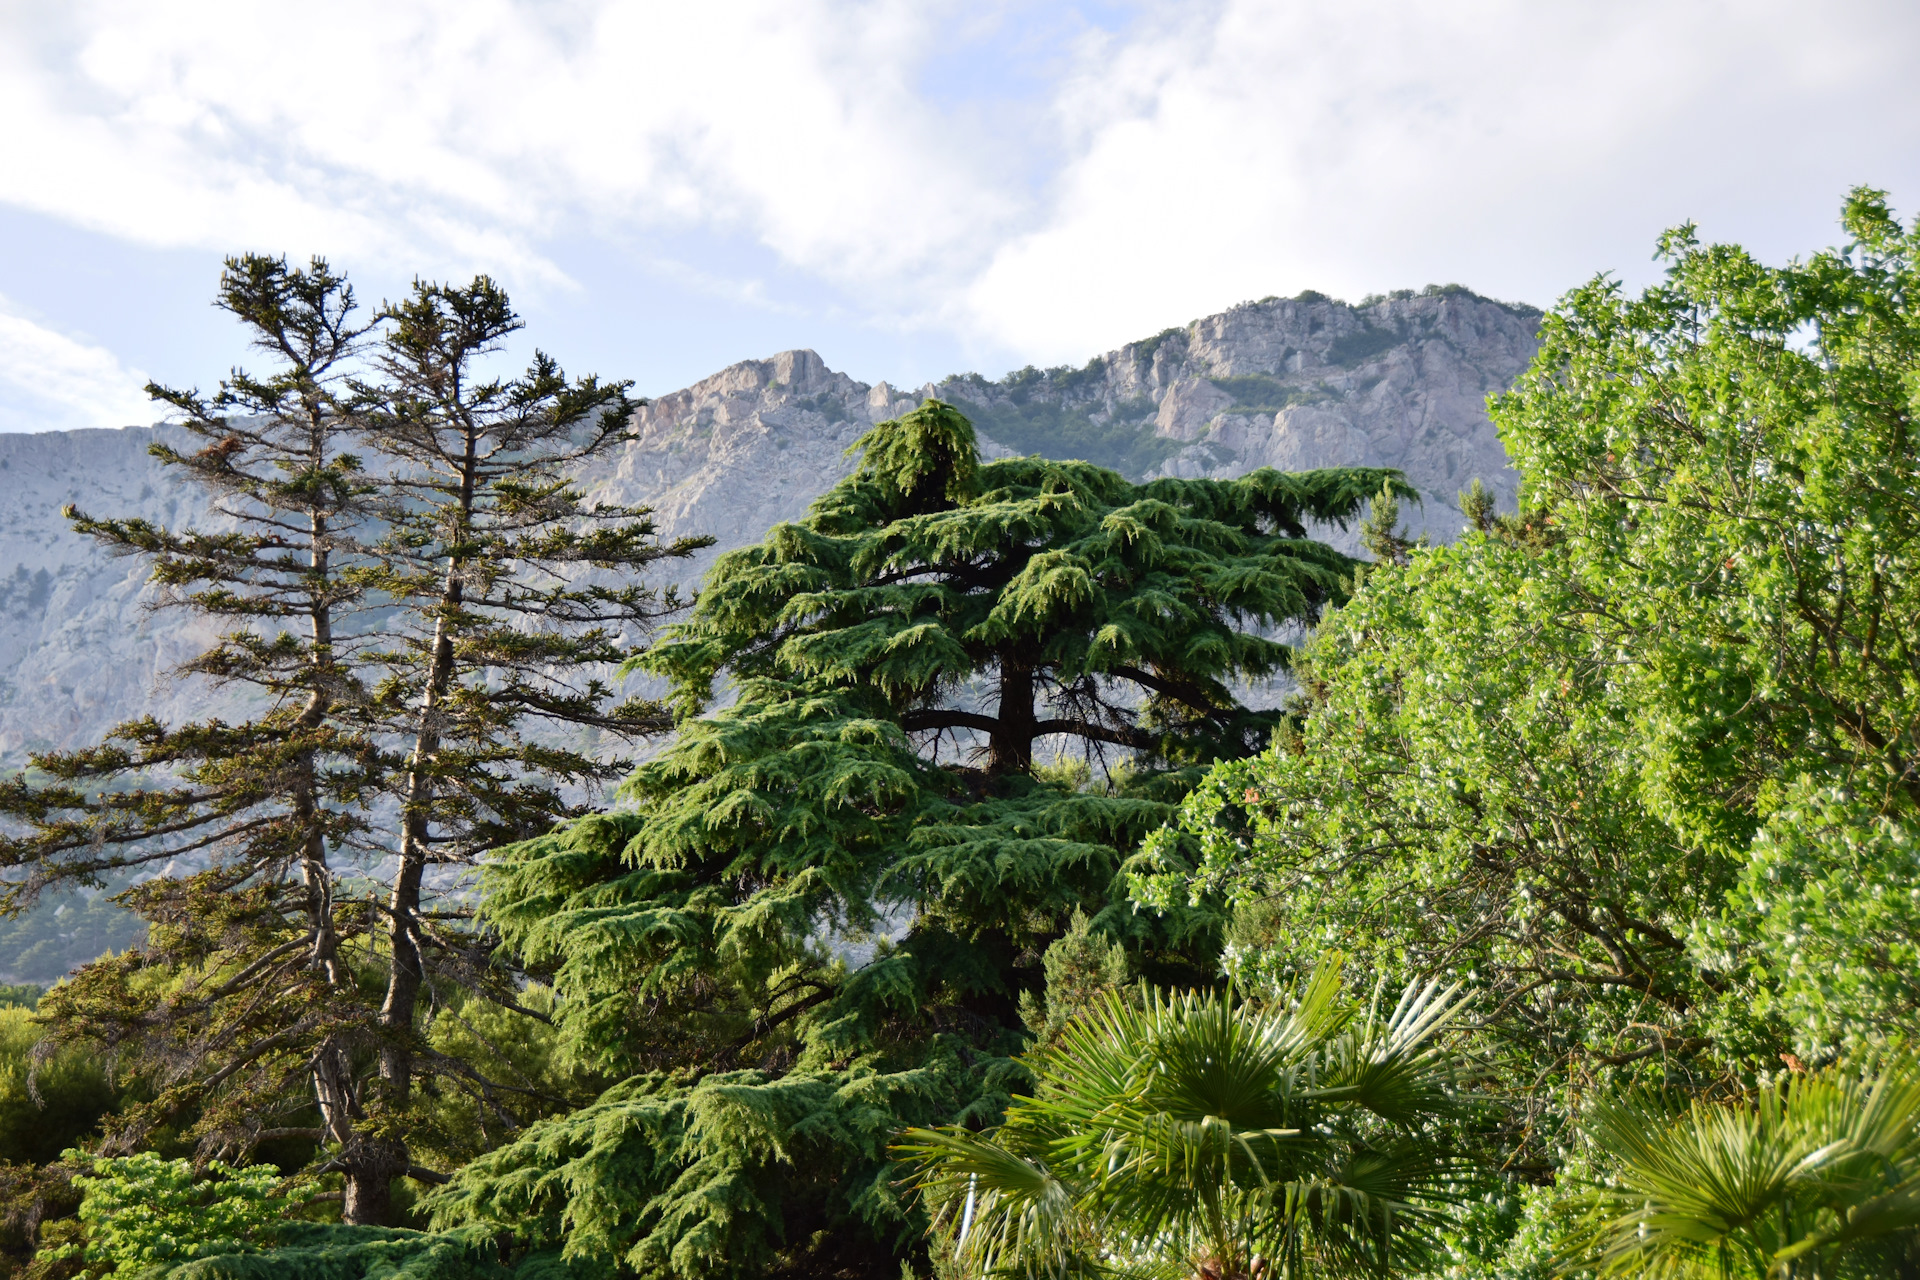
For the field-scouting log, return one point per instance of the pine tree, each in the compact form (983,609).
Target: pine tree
(399,627)
(277,461)
(494,559)
(252,943)
(1478,505)
(1382,534)
(813,924)
(1082,968)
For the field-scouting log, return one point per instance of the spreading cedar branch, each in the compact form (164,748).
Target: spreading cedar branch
(918,730)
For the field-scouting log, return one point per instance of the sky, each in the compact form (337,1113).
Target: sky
(910,189)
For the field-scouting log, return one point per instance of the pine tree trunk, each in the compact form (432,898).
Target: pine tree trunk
(314,874)
(405,972)
(372,1165)
(403,903)
(368,1195)
(406,968)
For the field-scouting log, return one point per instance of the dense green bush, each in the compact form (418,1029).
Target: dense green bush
(141,1212)
(46,1104)
(1643,759)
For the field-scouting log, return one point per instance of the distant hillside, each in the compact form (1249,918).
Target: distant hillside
(1292,383)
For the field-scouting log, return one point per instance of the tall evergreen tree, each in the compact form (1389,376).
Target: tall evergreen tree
(278,462)
(813,924)
(398,629)
(495,562)
(254,939)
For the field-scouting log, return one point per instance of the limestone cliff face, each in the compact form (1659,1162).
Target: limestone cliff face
(80,646)
(738,452)
(1299,383)
(1288,383)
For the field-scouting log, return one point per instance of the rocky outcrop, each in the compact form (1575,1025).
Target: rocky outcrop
(1291,383)
(738,452)
(1298,383)
(81,646)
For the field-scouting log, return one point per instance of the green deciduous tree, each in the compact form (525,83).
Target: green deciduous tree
(1460,797)
(1640,757)
(1551,749)
(48,1102)
(1190,1135)
(1822,927)
(48,1099)
(813,922)
(1730,462)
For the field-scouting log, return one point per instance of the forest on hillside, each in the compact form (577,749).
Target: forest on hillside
(1008,868)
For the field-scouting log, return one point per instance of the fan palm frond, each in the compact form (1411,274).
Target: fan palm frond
(1191,1127)
(1785,1183)
(1395,1066)
(1008,1212)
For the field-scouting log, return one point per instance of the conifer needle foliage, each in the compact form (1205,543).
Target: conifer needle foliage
(917,730)
(422,614)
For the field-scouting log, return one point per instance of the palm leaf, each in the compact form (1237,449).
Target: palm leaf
(1817,1167)
(1395,1067)
(1009,1213)
(1171,1131)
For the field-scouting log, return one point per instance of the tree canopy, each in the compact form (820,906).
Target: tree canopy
(1638,758)
(917,731)
(395,627)
(995,802)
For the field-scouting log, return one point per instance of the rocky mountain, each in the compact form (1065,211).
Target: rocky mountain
(80,650)
(1292,383)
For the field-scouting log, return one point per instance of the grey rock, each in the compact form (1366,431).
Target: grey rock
(1288,383)
(81,645)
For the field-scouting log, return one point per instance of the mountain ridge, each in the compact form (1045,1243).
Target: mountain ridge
(1294,383)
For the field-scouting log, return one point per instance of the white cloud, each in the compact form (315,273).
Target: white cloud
(50,381)
(1360,145)
(466,131)
(1204,154)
